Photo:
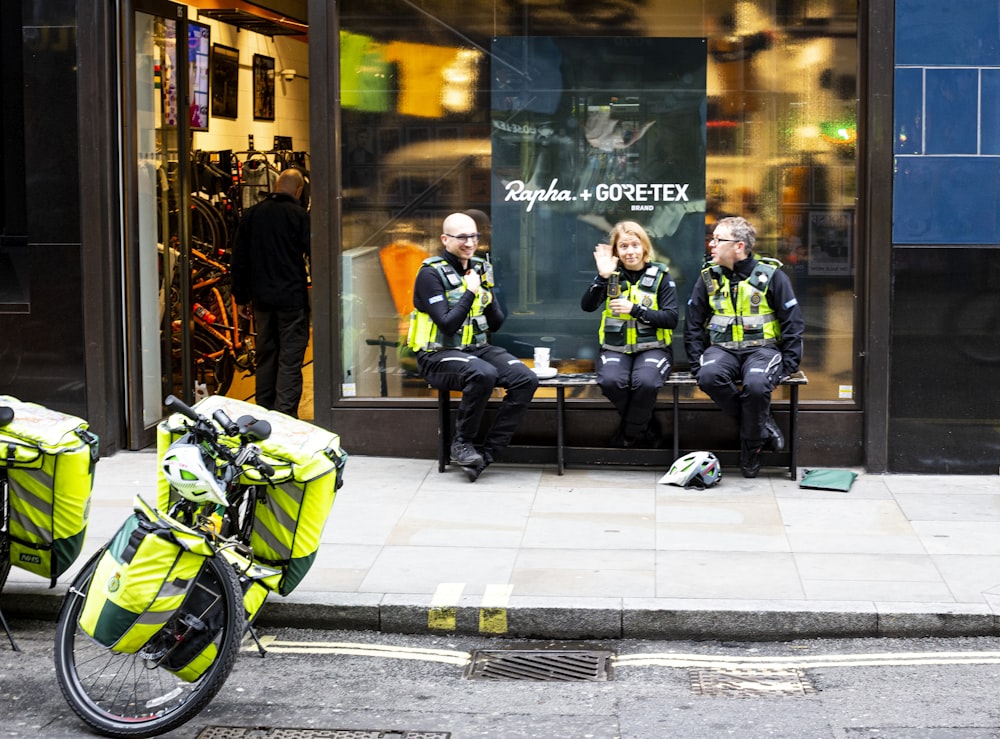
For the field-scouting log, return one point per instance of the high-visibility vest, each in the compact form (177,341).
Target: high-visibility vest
(751,321)
(625,334)
(424,334)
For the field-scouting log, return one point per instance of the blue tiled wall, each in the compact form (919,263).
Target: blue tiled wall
(947,122)
(945,256)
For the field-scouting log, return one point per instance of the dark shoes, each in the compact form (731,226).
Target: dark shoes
(750,461)
(750,456)
(464,454)
(775,441)
(650,438)
(618,440)
(473,471)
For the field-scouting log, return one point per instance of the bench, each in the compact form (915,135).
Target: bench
(675,382)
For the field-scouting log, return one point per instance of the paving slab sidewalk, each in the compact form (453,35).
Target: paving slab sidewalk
(609,553)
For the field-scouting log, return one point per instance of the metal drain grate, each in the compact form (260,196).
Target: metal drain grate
(750,683)
(265,732)
(540,665)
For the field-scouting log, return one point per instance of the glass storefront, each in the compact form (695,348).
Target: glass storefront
(556,123)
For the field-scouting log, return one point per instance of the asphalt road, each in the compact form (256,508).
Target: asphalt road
(356,685)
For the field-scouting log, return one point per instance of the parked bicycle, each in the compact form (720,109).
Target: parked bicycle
(47,462)
(151,627)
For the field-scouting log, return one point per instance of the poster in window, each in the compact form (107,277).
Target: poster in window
(263,87)
(830,243)
(585,133)
(198,56)
(225,81)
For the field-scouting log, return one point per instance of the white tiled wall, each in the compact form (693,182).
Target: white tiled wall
(291,99)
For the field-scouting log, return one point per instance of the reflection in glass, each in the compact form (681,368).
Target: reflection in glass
(750,103)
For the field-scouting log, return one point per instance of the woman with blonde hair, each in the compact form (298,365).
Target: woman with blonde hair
(639,302)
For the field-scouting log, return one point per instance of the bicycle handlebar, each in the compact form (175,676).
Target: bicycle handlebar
(247,427)
(175,403)
(225,422)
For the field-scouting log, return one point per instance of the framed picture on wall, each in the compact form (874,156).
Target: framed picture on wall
(225,81)
(263,87)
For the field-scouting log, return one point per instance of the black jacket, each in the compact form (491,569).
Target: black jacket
(780,296)
(269,260)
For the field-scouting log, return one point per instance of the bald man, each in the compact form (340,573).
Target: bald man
(454,313)
(270,275)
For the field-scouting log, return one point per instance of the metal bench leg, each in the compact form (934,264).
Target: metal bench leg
(560,429)
(444,429)
(677,422)
(793,416)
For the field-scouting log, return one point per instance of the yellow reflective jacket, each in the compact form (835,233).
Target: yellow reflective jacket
(751,321)
(625,334)
(424,334)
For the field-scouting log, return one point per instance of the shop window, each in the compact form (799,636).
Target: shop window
(680,111)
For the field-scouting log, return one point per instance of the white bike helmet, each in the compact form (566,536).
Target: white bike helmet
(695,470)
(191,473)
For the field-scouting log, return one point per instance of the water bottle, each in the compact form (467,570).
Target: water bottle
(204,313)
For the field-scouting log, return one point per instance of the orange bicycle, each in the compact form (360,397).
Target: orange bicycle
(222,339)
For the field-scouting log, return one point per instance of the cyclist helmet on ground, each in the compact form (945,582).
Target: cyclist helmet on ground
(695,470)
(191,474)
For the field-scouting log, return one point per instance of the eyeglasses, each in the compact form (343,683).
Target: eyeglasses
(463,237)
(716,240)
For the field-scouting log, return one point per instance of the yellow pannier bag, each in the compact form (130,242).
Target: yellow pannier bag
(308,470)
(190,662)
(145,575)
(50,459)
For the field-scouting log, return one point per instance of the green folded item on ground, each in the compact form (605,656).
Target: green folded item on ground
(828,480)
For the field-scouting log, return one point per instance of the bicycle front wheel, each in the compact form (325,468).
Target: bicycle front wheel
(132,695)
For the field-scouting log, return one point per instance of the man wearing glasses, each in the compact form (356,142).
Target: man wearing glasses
(454,311)
(743,333)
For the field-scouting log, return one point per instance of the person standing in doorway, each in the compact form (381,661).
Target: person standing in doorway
(639,299)
(270,277)
(743,334)
(454,311)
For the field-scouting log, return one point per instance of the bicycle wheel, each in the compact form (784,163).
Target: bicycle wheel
(127,695)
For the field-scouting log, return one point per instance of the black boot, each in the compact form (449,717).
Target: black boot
(775,441)
(750,460)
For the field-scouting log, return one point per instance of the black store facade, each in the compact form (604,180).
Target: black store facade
(126,164)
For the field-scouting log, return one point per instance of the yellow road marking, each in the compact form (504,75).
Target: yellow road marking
(493,611)
(804,662)
(446,656)
(680,661)
(443,613)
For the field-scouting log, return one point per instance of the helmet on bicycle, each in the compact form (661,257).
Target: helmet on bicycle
(695,470)
(191,472)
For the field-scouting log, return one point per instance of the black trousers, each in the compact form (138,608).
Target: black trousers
(631,382)
(282,338)
(476,372)
(758,371)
